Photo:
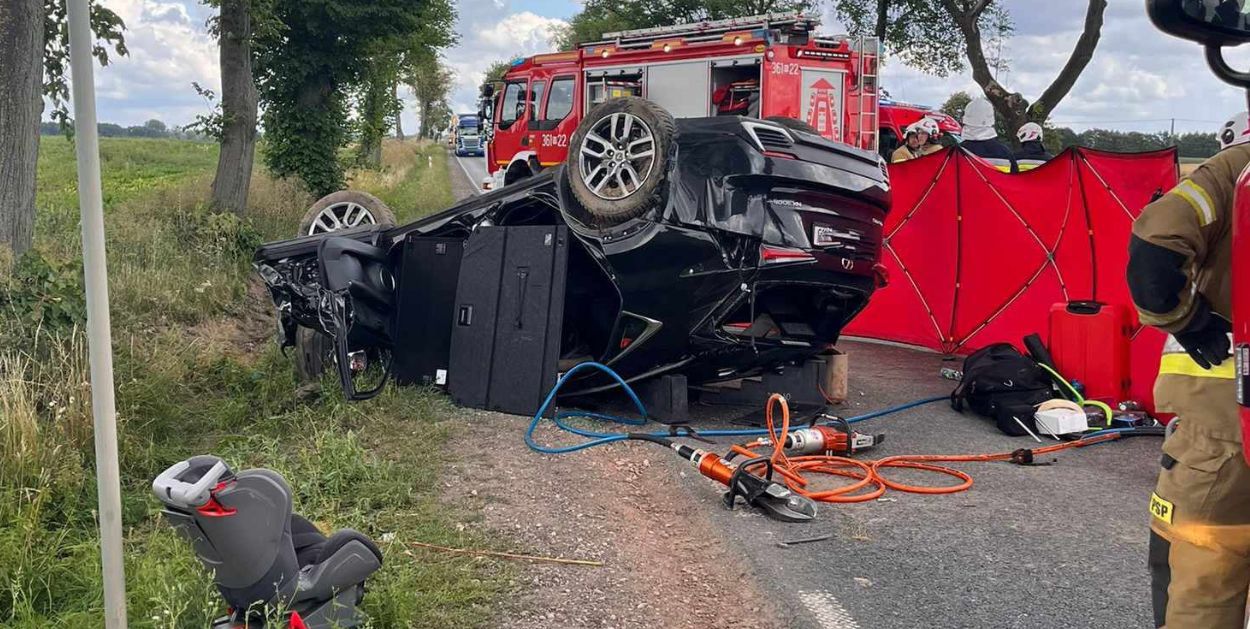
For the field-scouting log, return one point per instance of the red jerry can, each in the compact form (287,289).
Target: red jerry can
(1089,341)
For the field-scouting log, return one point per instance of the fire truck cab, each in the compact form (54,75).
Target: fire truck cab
(897,116)
(761,66)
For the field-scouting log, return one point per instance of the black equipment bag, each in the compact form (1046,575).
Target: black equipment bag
(1004,385)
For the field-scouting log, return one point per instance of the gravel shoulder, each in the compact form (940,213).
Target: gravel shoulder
(665,565)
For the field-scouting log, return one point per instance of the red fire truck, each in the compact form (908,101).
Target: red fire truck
(760,66)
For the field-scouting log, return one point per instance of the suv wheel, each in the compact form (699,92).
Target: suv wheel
(618,159)
(345,209)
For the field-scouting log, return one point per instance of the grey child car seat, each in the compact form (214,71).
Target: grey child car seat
(265,560)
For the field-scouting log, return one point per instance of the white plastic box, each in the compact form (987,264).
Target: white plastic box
(1060,421)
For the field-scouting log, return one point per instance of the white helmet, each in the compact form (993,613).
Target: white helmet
(1235,131)
(1030,132)
(979,113)
(930,126)
(915,127)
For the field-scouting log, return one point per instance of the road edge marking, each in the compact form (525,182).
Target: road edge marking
(828,611)
(475,185)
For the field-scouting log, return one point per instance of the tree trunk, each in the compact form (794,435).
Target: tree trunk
(238,108)
(1081,56)
(374,119)
(21,104)
(426,114)
(1012,106)
(399,115)
(883,20)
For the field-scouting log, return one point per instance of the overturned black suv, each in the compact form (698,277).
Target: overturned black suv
(715,248)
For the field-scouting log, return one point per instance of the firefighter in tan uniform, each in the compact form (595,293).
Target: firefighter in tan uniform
(915,143)
(1179,271)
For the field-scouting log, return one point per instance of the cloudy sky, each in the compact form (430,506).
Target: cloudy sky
(1138,79)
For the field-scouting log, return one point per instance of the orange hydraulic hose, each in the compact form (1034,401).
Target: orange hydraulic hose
(867,475)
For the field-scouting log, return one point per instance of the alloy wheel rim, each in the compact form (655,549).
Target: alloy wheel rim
(339,216)
(616,156)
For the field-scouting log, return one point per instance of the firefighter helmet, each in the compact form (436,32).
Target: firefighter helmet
(1235,131)
(1030,132)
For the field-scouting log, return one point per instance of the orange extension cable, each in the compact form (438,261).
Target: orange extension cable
(869,481)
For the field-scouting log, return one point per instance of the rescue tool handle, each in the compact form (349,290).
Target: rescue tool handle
(169,488)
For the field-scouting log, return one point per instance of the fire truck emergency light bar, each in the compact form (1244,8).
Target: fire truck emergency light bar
(797,22)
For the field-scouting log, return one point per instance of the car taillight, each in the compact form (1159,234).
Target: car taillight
(780,154)
(783,255)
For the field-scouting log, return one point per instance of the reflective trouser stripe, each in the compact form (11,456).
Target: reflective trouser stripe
(1183,365)
(1176,361)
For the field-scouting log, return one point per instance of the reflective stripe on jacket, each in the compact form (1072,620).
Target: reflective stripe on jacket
(1192,224)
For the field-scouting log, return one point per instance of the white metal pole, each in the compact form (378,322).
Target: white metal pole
(99,335)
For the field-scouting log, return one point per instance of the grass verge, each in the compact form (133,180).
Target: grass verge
(194,375)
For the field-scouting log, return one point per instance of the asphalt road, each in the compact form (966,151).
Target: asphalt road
(474,169)
(1062,545)
(1057,546)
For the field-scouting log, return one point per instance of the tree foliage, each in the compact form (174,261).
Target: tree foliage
(430,81)
(107,27)
(956,104)
(1197,145)
(919,33)
(496,70)
(317,54)
(379,108)
(394,62)
(603,16)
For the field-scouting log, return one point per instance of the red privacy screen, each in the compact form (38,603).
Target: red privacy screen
(978,256)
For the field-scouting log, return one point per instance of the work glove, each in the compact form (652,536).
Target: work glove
(1206,336)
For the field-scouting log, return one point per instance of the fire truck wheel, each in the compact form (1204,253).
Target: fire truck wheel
(345,209)
(793,123)
(618,159)
(516,172)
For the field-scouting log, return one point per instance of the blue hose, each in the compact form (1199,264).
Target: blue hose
(598,438)
(601,438)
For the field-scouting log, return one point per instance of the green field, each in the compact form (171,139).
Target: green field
(196,374)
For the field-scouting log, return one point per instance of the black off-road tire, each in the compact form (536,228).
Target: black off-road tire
(517,172)
(651,192)
(381,213)
(793,123)
(314,353)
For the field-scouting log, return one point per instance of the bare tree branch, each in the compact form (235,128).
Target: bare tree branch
(981,73)
(1081,56)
